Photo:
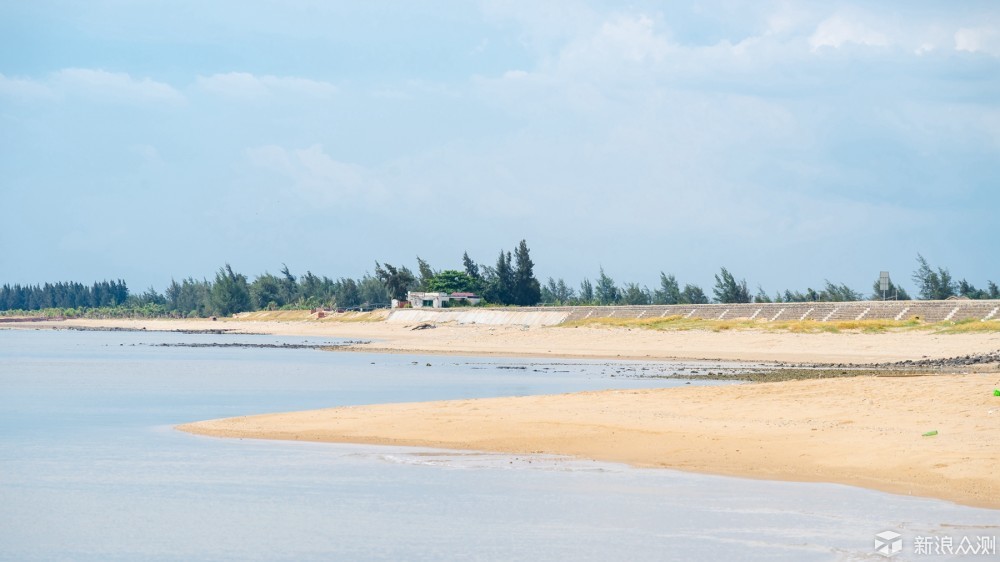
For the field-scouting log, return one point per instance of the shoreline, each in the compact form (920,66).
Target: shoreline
(865,431)
(847,348)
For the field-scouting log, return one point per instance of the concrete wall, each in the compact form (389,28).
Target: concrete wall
(929,311)
(488,316)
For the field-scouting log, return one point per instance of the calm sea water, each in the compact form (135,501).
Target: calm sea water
(91,469)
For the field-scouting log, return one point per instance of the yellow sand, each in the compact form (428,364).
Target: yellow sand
(587,342)
(859,431)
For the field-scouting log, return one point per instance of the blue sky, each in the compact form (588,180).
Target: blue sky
(790,142)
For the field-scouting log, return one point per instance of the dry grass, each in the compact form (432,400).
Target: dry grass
(971,326)
(874,326)
(306,316)
(373,316)
(275,316)
(679,323)
(669,323)
(794,326)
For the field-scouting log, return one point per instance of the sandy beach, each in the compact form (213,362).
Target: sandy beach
(861,431)
(592,342)
(864,431)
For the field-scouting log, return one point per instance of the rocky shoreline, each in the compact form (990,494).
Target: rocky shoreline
(320,346)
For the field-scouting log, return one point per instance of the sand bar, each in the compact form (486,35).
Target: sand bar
(863,431)
(859,431)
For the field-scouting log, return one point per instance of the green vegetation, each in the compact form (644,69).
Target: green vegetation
(452,281)
(606,291)
(397,281)
(933,284)
(526,291)
(231,292)
(510,282)
(103,294)
(829,293)
(939,285)
(894,292)
(426,274)
(471,269)
(122,311)
(692,294)
(671,293)
(729,290)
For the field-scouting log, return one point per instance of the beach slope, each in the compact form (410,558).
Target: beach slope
(864,431)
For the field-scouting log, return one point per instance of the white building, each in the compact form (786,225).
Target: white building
(440,300)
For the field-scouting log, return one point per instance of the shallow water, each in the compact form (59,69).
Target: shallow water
(91,469)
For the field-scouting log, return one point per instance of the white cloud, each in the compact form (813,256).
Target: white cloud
(786,19)
(623,39)
(633,38)
(629,60)
(91,83)
(24,88)
(634,112)
(543,24)
(246,85)
(114,86)
(515,74)
(978,40)
(317,176)
(838,30)
(616,54)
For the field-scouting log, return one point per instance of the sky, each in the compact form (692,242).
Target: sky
(790,142)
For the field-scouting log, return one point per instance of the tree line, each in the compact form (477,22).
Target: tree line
(510,280)
(932,284)
(63,295)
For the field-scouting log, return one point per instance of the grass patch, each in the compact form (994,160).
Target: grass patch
(874,326)
(306,316)
(970,326)
(275,316)
(676,322)
(373,316)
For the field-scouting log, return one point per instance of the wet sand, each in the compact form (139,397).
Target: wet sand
(593,342)
(864,431)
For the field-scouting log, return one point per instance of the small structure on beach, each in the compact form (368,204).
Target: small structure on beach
(441,300)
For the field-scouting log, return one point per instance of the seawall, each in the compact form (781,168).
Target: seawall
(927,311)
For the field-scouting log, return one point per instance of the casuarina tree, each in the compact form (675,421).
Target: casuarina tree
(527,290)
(729,290)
